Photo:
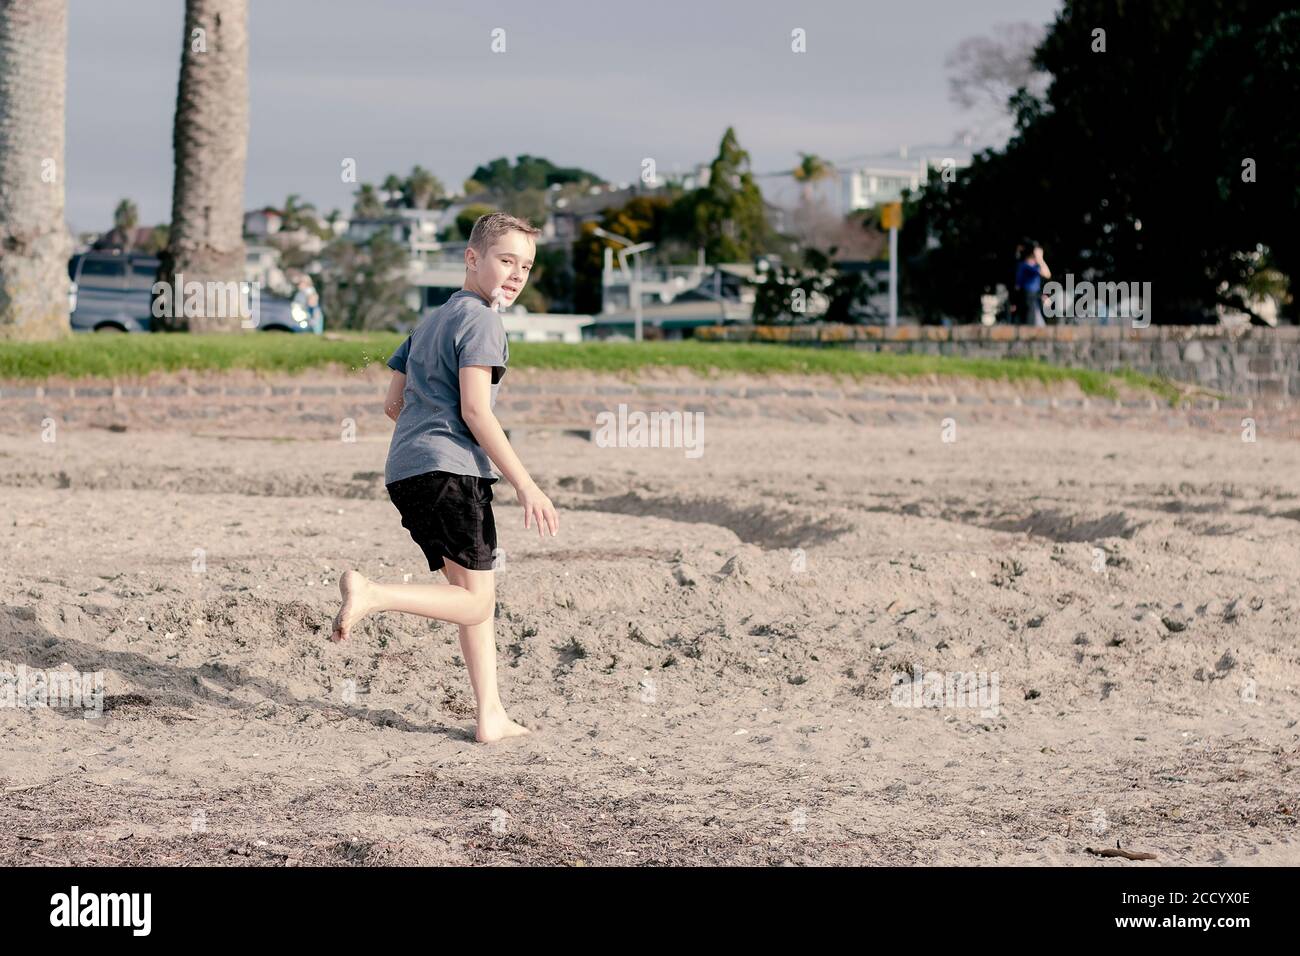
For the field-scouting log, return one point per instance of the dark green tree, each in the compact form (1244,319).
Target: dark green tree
(466,218)
(366,204)
(727,217)
(1131,167)
(528,172)
(785,298)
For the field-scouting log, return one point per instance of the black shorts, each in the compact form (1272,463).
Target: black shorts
(449,516)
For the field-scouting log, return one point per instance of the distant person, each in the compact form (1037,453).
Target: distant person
(439,475)
(305,295)
(1029,284)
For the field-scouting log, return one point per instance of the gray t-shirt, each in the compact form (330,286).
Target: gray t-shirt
(430,433)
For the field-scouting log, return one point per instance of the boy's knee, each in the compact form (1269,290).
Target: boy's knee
(484,606)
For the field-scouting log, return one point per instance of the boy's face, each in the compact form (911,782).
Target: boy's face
(507,264)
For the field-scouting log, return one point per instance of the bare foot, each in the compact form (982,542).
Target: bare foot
(495,725)
(355,588)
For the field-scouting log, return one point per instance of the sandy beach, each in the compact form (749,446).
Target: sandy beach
(709,652)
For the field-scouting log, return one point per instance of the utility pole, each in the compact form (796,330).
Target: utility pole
(891,217)
(634,249)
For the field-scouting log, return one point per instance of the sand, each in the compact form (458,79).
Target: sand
(707,652)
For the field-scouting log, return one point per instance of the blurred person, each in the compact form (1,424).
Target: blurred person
(306,296)
(1029,283)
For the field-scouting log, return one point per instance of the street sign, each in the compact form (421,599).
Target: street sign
(891,218)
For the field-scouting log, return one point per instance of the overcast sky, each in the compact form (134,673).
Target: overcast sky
(393,83)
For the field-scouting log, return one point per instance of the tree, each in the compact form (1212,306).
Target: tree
(157,241)
(528,172)
(1255,213)
(363,285)
(1154,191)
(466,218)
(366,203)
(422,189)
(297,214)
(34,241)
(121,237)
(126,216)
(986,72)
(810,170)
(788,294)
(394,187)
(210,140)
(527,204)
(551,280)
(727,216)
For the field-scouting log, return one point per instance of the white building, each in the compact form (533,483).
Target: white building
(523,326)
(862,185)
(884,180)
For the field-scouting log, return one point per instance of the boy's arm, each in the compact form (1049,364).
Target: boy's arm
(393,403)
(397,362)
(476,409)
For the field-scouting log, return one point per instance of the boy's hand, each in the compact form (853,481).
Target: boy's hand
(537,507)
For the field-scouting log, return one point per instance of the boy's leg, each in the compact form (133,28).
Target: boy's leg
(468,600)
(478,646)
(478,641)
(444,602)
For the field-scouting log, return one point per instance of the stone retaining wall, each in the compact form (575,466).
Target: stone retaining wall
(1250,361)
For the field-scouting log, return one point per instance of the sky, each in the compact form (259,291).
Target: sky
(395,83)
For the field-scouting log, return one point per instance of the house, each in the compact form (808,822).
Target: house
(416,229)
(884,180)
(568,213)
(261,223)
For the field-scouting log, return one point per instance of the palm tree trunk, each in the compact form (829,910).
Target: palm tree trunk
(210,140)
(34,240)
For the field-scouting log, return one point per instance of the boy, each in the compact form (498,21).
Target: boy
(438,473)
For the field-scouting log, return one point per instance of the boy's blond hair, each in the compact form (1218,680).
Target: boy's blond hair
(492,226)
